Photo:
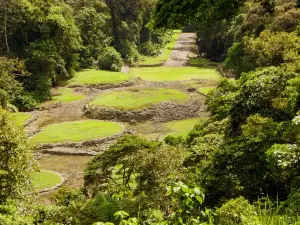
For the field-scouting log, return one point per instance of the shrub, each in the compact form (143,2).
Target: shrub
(129,52)
(173,141)
(150,49)
(26,101)
(235,211)
(110,60)
(16,161)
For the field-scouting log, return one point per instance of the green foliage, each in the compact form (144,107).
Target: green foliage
(66,196)
(173,141)
(268,99)
(269,49)
(237,61)
(185,206)
(103,207)
(135,167)
(235,211)
(11,214)
(110,59)
(220,99)
(10,88)
(92,26)
(16,160)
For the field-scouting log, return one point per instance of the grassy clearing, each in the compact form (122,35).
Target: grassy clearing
(76,131)
(175,73)
(21,118)
(92,76)
(138,98)
(165,55)
(205,90)
(45,179)
(66,95)
(182,127)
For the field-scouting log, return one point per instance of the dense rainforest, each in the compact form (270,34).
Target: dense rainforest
(44,42)
(241,166)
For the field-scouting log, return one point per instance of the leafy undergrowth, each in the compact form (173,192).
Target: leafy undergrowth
(165,55)
(183,127)
(21,118)
(66,95)
(175,73)
(92,76)
(205,90)
(45,179)
(138,98)
(76,131)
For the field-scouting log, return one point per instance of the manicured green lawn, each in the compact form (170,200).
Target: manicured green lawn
(76,131)
(45,179)
(175,73)
(138,98)
(92,76)
(205,90)
(21,118)
(66,95)
(182,127)
(165,55)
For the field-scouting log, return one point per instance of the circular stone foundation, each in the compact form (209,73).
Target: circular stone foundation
(77,131)
(46,180)
(136,105)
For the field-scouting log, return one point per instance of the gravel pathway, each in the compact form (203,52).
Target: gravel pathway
(183,47)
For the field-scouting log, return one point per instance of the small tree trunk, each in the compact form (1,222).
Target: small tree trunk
(5,30)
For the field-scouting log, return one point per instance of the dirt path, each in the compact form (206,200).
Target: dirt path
(183,47)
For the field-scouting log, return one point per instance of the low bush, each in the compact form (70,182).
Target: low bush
(150,49)
(110,59)
(235,211)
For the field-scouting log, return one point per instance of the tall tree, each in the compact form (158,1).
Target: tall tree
(16,161)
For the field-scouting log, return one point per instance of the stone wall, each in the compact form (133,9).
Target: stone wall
(83,143)
(108,86)
(161,112)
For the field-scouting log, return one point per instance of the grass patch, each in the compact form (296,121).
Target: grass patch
(93,76)
(45,179)
(175,73)
(200,61)
(76,131)
(182,127)
(165,55)
(71,166)
(21,118)
(138,98)
(66,95)
(205,90)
